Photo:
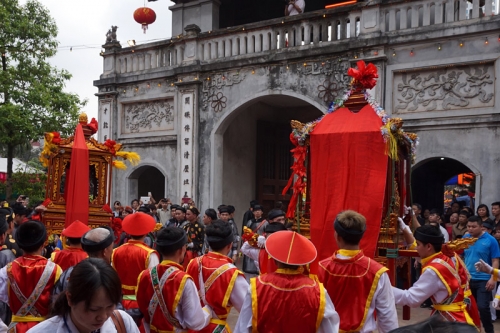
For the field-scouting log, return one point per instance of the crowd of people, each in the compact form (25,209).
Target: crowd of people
(183,276)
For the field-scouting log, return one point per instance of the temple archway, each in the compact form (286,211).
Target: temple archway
(144,179)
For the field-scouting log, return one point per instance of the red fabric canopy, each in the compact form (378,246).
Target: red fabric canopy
(348,171)
(77,181)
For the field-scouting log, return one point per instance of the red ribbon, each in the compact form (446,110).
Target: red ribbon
(298,169)
(111,146)
(116,225)
(57,138)
(365,75)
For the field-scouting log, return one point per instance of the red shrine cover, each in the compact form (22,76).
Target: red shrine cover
(77,181)
(348,171)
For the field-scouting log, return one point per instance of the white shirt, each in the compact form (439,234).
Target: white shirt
(329,324)
(56,325)
(299,3)
(445,234)
(153,260)
(238,294)
(383,301)
(427,285)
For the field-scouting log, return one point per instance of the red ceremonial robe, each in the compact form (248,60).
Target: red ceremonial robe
(171,291)
(219,276)
(68,257)
(286,301)
(471,303)
(266,262)
(351,282)
(129,260)
(453,307)
(26,271)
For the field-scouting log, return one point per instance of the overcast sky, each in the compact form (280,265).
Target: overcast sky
(86,23)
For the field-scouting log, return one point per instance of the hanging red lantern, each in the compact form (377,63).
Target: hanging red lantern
(144,16)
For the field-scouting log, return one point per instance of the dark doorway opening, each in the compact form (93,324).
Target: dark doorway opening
(273,168)
(429,178)
(150,179)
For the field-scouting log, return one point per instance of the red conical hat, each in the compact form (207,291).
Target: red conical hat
(75,230)
(290,248)
(138,224)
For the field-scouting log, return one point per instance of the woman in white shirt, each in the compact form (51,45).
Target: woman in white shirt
(88,305)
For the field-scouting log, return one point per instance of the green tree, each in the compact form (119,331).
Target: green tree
(32,100)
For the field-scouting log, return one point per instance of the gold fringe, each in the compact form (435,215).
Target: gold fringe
(119,165)
(392,143)
(131,156)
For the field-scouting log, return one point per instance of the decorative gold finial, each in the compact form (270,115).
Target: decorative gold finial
(83,119)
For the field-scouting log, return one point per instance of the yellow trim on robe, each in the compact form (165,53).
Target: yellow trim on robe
(153,328)
(497,296)
(134,288)
(179,292)
(455,307)
(348,253)
(495,276)
(27,319)
(253,289)
(322,305)
(221,322)
(229,289)
(53,255)
(425,261)
(440,277)
(289,271)
(58,273)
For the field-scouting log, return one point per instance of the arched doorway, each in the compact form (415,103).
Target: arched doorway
(252,151)
(147,179)
(430,176)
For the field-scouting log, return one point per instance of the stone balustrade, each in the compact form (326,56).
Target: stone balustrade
(302,32)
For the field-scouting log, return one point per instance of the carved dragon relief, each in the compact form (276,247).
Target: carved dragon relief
(148,116)
(445,89)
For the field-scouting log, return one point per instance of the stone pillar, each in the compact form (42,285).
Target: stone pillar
(191,44)
(203,13)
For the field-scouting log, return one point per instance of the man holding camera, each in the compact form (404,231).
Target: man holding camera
(295,7)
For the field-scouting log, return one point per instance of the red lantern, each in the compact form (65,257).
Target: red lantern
(144,16)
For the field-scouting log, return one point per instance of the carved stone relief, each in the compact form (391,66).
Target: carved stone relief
(445,88)
(148,116)
(211,95)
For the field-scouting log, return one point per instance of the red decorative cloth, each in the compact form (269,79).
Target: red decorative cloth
(298,173)
(348,171)
(111,145)
(93,126)
(287,301)
(68,257)
(341,278)
(365,75)
(77,181)
(266,263)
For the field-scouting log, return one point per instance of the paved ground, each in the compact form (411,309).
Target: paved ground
(416,316)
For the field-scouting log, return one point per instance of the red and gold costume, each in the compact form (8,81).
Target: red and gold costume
(266,263)
(452,308)
(219,277)
(351,281)
(468,298)
(171,291)
(31,279)
(129,260)
(301,305)
(68,257)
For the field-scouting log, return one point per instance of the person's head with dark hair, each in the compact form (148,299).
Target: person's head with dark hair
(231,210)
(276,215)
(94,289)
(429,240)
(153,209)
(116,205)
(417,208)
(483,212)
(350,227)
(436,325)
(4,226)
(474,226)
(455,207)
(135,204)
(192,214)
(173,208)
(253,203)
(20,212)
(180,214)
(274,227)
(98,243)
(30,236)
(209,216)
(224,214)
(495,210)
(220,236)
(144,209)
(257,212)
(434,215)
(171,243)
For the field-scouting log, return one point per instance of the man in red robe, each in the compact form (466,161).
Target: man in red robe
(26,283)
(131,258)
(74,253)
(287,300)
(266,264)
(357,285)
(166,295)
(441,279)
(220,284)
